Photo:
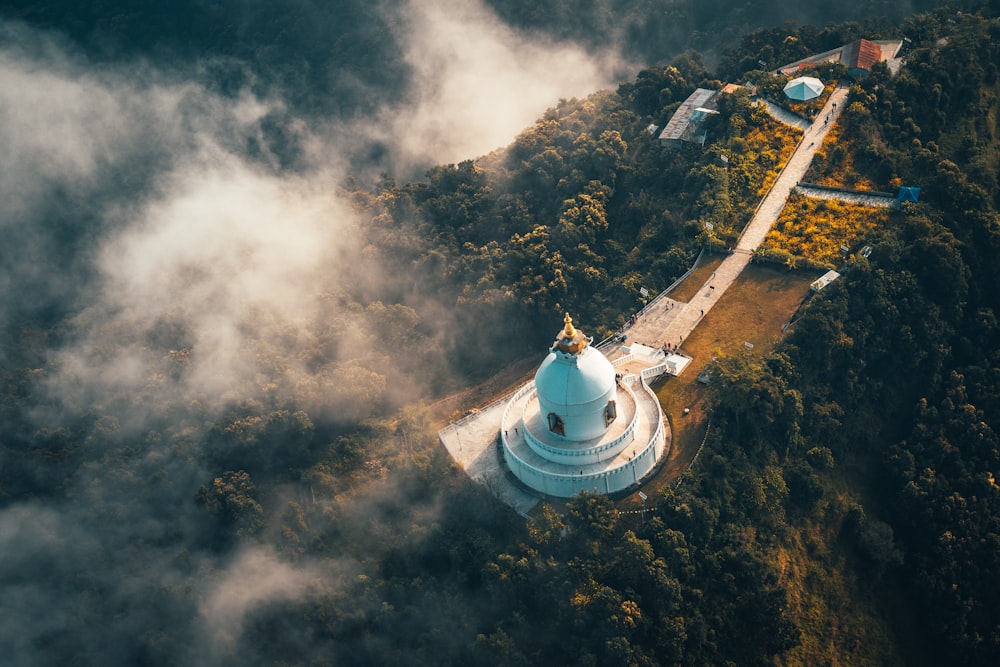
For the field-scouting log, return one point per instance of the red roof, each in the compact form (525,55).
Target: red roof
(861,54)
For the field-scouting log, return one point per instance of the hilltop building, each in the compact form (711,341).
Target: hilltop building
(824,280)
(687,123)
(908,193)
(858,57)
(580,425)
(685,126)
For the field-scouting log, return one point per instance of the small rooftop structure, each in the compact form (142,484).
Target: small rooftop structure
(908,193)
(803,88)
(645,352)
(685,124)
(675,363)
(730,88)
(824,280)
(671,363)
(701,113)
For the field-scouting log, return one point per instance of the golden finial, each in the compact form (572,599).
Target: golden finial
(569,331)
(570,340)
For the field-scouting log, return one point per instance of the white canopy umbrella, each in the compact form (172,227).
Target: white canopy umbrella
(803,88)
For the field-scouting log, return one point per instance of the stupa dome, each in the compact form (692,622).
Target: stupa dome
(575,383)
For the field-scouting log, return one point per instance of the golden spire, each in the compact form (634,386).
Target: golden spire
(570,339)
(569,331)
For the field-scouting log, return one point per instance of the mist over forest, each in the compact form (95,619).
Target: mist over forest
(245,246)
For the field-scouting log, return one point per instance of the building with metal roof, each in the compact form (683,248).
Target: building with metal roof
(860,55)
(908,193)
(686,123)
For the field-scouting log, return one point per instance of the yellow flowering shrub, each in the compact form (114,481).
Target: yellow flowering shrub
(769,144)
(816,228)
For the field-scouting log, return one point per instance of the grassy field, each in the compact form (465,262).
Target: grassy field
(687,289)
(753,310)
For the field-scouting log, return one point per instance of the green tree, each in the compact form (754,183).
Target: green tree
(231,498)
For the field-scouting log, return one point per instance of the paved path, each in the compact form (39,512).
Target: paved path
(793,172)
(860,198)
(786,116)
(653,328)
(474,445)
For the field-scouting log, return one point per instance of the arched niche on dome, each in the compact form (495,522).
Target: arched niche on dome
(556,424)
(610,413)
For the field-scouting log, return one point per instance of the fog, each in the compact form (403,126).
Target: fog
(253,578)
(179,268)
(478,82)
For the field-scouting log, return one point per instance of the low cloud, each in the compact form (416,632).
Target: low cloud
(254,579)
(153,211)
(477,82)
(214,248)
(146,220)
(224,255)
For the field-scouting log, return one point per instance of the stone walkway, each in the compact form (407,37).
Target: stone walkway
(474,445)
(786,116)
(860,198)
(793,172)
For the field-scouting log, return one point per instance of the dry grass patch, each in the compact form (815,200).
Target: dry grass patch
(687,289)
(840,623)
(769,144)
(753,310)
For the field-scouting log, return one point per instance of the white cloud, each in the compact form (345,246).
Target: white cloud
(477,82)
(197,237)
(223,243)
(136,185)
(255,578)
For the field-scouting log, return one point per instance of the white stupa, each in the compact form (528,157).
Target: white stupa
(580,426)
(576,388)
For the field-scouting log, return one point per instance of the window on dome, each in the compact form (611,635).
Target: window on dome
(610,413)
(556,424)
